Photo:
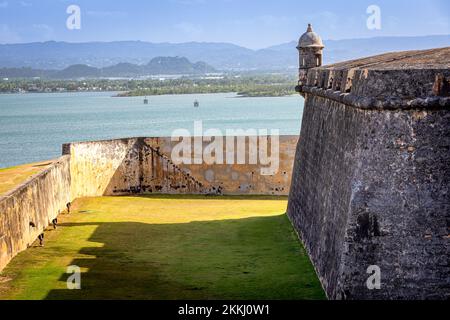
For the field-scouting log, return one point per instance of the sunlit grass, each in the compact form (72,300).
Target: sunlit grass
(12,177)
(165,247)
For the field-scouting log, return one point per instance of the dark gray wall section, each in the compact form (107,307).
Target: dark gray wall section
(371,175)
(371,187)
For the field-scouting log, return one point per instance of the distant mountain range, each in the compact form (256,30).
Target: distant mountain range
(157,66)
(221,56)
(341,50)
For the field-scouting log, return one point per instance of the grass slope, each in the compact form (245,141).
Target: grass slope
(165,247)
(13,177)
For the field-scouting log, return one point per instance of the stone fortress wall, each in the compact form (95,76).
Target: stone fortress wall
(144,166)
(124,167)
(370,184)
(371,180)
(26,211)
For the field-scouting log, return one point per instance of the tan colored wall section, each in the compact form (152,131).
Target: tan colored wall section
(94,164)
(243,178)
(38,200)
(144,165)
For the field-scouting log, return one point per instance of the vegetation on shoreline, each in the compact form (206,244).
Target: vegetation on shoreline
(246,86)
(250,86)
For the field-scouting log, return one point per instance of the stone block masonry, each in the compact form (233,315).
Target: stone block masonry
(144,166)
(371,179)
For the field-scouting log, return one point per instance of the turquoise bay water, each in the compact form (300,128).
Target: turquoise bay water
(34,126)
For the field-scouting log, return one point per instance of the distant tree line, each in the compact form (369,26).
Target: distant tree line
(249,85)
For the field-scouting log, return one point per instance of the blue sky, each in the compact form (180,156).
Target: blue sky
(250,23)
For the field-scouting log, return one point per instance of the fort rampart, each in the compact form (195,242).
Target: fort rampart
(26,211)
(371,181)
(124,167)
(145,166)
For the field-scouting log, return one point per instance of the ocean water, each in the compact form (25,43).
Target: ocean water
(33,127)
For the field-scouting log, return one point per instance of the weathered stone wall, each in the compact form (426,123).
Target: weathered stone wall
(122,167)
(144,165)
(125,166)
(94,164)
(371,178)
(36,201)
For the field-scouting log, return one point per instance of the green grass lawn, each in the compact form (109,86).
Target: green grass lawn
(165,247)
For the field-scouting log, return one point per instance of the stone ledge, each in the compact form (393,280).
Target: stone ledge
(378,104)
(399,80)
(25,184)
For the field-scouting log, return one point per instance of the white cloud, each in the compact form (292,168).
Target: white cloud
(189,2)
(189,29)
(45,31)
(329,18)
(266,20)
(104,14)
(7,35)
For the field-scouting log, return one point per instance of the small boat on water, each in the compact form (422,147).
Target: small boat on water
(145,100)
(196,104)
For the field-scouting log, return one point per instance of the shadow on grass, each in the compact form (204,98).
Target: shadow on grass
(255,258)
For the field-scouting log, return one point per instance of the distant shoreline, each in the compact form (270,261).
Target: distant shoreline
(247,87)
(59,92)
(236,93)
(155,95)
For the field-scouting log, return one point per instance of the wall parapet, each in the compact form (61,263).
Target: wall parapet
(28,209)
(378,104)
(404,80)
